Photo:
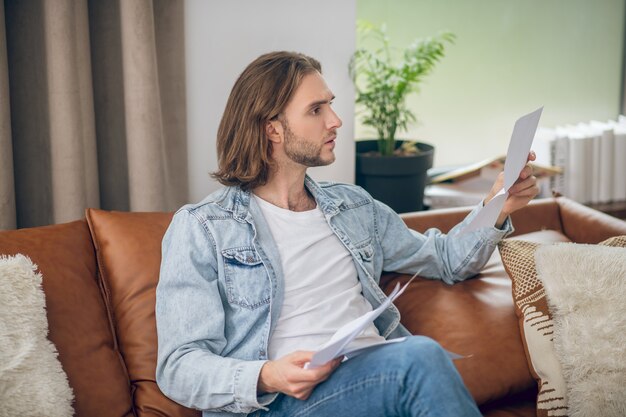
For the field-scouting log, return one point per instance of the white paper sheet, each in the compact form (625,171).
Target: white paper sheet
(356,352)
(516,157)
(338,344)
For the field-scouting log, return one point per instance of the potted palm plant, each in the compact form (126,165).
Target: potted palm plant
(392,170)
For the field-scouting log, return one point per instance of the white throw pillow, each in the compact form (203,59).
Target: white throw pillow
(586,291)
(32,381)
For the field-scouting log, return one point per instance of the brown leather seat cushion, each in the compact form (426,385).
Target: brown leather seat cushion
(474,318)
(128,246)
(77,316)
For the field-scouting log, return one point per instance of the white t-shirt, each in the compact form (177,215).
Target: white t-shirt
(322,291)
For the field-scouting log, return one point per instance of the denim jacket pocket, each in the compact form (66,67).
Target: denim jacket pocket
(365,250)
(247,283)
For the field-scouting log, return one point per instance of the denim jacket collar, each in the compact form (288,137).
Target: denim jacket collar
(237,201)
(328,203)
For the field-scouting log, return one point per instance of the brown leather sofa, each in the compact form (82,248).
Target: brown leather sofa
(100,276)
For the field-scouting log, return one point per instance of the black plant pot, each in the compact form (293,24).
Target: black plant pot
(397,181)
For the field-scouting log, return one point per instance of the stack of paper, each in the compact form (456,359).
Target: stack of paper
(338,344)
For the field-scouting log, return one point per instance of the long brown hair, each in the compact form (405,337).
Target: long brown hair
(260,94)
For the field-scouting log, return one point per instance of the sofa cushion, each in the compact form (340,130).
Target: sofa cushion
(32,381)
(128,246)
(536,323)
(474,318)
(586,288)
(77,316)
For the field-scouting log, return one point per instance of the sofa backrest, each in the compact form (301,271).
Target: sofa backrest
(128,247)
(101,314)
(77,315)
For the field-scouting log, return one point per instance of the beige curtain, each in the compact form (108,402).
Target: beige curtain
(92,108)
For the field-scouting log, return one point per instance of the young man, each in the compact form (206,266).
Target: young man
(261,273)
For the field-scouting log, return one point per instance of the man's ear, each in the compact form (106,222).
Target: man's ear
(274,131)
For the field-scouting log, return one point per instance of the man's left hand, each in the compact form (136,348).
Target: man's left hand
(520,193)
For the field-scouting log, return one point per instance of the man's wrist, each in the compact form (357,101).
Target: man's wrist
(262,386)
(501,219)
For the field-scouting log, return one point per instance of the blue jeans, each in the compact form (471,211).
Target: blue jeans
(412,378)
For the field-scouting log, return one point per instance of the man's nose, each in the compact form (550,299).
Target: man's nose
(334,121)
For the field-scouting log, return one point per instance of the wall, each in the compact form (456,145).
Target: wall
(509,58)
(223,36)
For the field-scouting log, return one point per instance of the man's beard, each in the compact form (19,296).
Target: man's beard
(301,151)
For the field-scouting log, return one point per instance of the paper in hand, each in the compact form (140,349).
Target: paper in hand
(338,343)
(516,157)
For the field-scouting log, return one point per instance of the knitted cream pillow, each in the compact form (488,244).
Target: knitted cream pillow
(536,323)
(586,288)
(32,381)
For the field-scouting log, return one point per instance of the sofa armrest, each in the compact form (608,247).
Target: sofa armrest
(586,225)
(538,215)
(580,223)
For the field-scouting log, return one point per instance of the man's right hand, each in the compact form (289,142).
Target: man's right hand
(287,375)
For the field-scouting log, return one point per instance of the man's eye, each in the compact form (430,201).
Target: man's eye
(317,110)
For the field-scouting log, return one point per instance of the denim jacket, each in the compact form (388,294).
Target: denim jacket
(221,285)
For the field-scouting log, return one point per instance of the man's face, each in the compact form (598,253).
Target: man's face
(309,123)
